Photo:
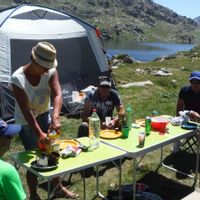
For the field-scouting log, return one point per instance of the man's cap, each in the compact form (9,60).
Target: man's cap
(105,81)
(44,54)
(195,75)
(9,129)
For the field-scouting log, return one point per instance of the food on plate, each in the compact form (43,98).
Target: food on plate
(141,122)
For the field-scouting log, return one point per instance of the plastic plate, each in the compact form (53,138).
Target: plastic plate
(63,143)
(37,167)
(110,134)
(189,126)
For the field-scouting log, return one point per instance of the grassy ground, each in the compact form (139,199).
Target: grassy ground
(161,96)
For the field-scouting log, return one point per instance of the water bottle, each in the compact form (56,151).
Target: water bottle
(94,130)
(129,116)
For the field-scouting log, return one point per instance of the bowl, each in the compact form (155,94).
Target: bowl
(159,124)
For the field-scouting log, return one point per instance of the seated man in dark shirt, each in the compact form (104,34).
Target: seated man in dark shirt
(189,96)
(189,99)
(104,99)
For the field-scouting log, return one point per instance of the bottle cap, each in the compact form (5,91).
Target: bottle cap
(129,109)
(53,134)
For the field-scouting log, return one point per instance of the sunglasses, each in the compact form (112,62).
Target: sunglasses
(104,78)
(105,86)
(195,81)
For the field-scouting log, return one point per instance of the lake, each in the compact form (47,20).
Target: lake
(144,51)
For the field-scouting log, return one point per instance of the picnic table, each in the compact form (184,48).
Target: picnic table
(103,154)
(152,142)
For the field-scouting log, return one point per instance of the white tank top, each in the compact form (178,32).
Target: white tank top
(38,96)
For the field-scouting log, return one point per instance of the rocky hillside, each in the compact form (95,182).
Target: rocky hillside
(197,19)
(136,19)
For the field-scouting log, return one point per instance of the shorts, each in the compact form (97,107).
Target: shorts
(28,136)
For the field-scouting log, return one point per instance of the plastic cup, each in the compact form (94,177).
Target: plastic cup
(141,139)
(107,120)
(125,131)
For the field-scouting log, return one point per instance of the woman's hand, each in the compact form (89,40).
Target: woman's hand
(43,141)
(43,138)
(55,124)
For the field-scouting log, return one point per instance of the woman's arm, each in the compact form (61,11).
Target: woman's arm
(57,100)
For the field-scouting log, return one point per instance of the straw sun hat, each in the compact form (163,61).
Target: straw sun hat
(44,54)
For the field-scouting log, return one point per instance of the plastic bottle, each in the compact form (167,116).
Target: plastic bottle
(94,130)
(129,117)
(53,137)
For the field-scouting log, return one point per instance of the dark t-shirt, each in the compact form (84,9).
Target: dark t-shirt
(190,98)
(104,107)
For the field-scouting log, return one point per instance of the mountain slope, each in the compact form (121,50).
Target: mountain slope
(137,19)
(197,19)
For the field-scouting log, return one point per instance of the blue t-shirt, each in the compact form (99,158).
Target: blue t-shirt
(104,107)
(190,98)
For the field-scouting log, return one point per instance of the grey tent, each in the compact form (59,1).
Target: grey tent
(79,51)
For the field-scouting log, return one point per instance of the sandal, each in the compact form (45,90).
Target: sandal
(65,193)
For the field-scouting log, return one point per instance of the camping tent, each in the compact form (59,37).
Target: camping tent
(79,52)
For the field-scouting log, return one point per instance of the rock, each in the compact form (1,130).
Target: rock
(128,59)
(161,73)
(139,84)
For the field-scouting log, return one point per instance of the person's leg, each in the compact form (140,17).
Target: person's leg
(83,130)
(5,142)
(62,191)
(29,141)
(32,183)
(43,121)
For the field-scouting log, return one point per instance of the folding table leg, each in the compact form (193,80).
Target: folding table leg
(197,162)
(49,189)
(84,186)
(120,179)
(134,178)
(97,180)
(98,193)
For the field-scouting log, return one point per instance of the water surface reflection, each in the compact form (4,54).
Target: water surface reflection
(144,51)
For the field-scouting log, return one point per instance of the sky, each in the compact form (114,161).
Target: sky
(188,8)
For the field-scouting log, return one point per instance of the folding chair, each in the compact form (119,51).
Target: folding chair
(196,194)
(190,144)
